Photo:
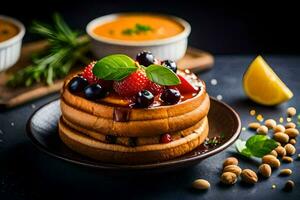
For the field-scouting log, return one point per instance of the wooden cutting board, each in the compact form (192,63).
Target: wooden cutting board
(195,60)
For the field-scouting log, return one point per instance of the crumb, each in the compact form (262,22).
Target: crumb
(260,118)
(252,112)
(219,97)
(213,81)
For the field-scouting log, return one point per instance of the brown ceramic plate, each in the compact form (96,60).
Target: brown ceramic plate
(42,130)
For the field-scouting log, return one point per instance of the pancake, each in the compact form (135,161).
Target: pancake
(119,154)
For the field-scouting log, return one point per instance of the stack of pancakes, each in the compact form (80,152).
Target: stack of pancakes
(116,134)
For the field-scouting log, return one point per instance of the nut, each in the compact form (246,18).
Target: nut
(285,172)
(290,125)
(273,153)
(292,132)
(233,168)
(287,159)
(230,161)
(270,123)
(279,128)
(201,184)
(265,170)
(289,185)
(228,178)
(254,125)
(290,149)
(291,111)
(293,141)
(281,137)
(280,151)
(271,160)
(249,176)
(262,130)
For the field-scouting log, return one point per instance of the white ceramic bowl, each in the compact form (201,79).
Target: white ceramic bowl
(172,48)
(10,49)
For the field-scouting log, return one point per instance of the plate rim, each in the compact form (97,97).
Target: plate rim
(111,166)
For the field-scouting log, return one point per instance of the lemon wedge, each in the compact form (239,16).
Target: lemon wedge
(262,85)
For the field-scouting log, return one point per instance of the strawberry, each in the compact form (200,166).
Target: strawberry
(154,88)
(131,85)
(185,86)
(91,78)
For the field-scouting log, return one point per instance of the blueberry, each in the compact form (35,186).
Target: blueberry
(94,91)
(170,96)
(144,99)
(77,84)
(111,139)
(145,58)
(170,64)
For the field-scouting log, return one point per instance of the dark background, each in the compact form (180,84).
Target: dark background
(242,27)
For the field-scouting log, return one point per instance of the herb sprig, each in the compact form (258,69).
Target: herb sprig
(256,145)
(64,49)
(137,29)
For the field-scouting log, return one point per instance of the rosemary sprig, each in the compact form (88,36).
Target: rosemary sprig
(65,48)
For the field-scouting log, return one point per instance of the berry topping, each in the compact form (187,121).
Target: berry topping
(88,74)
(94,91)
(144,99)
(170,64)
(77,84)
(131,85)
(185,86)
(154,88)
(145,58)
(165,138)
(111,139)
(170,96)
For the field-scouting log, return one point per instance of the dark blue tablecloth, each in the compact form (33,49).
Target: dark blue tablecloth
(27,173)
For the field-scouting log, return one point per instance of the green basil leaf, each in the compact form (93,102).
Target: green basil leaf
(246,152)
(240,146)
(114,67)
(162,75)
(260,145)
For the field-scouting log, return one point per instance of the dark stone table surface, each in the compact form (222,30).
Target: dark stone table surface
(27,173)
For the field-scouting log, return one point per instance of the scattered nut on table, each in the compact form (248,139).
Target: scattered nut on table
(201,184)
(270,123)
(290,125)
(292,132)
(233,168)
(262,130)
(273,153)
(271,160)
(287,159)
(249,176)
(265,170)
(279,128)
(289,185)
(228,178)
(290,149)
(291,111)
(280,151)
(285,172)
(230,161)
(293,141)
(281,137)
(254,125)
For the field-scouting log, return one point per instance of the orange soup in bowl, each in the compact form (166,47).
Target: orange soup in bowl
(139,28)
(7,30)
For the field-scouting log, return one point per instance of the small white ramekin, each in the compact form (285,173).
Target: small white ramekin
(172,48)
(10,49)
